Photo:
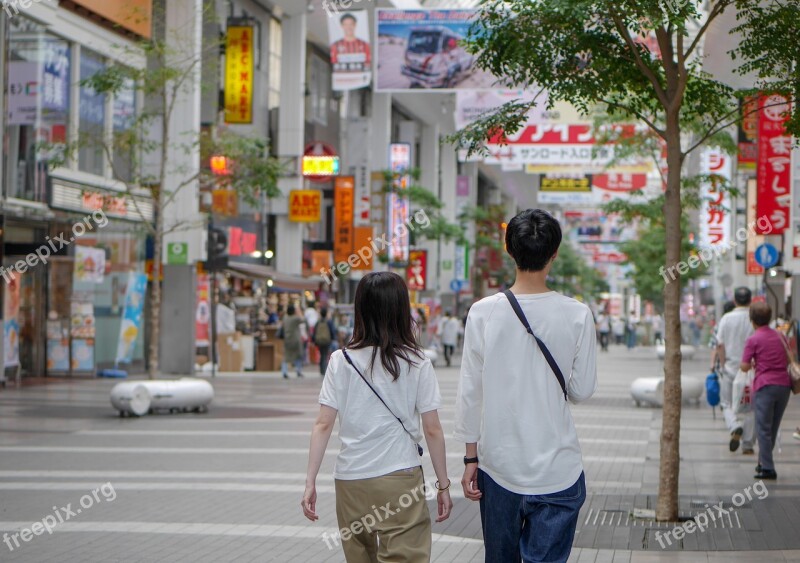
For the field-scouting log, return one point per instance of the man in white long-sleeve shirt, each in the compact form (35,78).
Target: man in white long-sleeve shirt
(523,461)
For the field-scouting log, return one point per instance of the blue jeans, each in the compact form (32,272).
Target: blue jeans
(528,528)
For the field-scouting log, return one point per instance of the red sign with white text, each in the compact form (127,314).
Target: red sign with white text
(417,270)
(774,165)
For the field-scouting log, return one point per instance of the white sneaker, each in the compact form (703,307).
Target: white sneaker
(796,434)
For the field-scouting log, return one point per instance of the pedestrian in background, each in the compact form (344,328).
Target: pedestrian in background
(523,460)
(618,328)
(732,333)
(324,333)
(448,332)
(604,328)
(293,332)
(716,365)
(380,385)
(630,330)
(768,351)
(658,328)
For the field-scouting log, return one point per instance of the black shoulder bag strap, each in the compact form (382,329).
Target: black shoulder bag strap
(547,355)
(358,371)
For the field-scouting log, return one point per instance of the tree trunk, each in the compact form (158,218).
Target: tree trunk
(155,295)
(669,469)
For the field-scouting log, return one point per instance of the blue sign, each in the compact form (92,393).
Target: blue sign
(456,285)
(767,255)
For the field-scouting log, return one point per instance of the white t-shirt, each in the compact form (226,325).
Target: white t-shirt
(509,401)
(373,442)
(448,330)
(733,331)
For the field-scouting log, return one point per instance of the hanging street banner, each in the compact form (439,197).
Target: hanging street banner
(417,270)
(239,56)
(751,267)
(202,318)
(351,56)
(715,208)
(774,165)
(748,135)
(343,206)
(423,50)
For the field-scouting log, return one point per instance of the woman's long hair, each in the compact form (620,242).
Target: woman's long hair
(383,320)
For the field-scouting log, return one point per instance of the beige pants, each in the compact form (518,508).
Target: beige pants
(384,519)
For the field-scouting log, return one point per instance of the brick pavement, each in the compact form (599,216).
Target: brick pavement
(225,486)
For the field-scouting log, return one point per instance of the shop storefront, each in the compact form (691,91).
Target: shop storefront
(72,238)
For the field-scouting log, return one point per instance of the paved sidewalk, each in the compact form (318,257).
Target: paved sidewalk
(226,486)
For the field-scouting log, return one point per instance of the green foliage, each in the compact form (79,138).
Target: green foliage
(590,52)
(646,253)
(572,276)
(769,49)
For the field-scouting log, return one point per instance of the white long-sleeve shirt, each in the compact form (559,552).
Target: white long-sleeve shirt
(510,402)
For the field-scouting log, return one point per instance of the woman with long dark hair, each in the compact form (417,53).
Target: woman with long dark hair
(380,385)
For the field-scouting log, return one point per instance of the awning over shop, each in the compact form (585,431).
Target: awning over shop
(281,282)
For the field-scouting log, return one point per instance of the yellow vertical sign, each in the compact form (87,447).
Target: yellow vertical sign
(239,55)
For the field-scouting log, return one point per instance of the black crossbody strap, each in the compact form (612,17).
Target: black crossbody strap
(358,371)
(547,355)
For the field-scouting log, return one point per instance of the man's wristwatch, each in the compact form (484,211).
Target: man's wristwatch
(468,460)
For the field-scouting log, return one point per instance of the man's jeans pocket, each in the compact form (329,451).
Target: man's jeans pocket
(575,492)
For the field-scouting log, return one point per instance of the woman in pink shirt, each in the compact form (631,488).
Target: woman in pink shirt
(766,351)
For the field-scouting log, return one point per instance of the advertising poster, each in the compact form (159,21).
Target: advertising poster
(774,164)
(351,56)
(131,317)
(23,84)
(90,264)
(202,317)
(421,49)
(417,270)
(55,76)
(472,104)
(82,354)
(11,299)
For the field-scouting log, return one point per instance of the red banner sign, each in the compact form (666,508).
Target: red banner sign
(417,270)
(774,165)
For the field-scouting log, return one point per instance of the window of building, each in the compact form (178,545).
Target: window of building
(319,85)
(92,111)
(275,53)
(38,106)
(124,112)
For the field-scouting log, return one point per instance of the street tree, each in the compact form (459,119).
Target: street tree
(643,59)
(139,147)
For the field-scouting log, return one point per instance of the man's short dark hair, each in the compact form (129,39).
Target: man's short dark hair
(742,296)
(760,314)
(348,16)
(532,239)
(728,307)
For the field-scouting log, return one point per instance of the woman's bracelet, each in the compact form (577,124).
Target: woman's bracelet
(449,482)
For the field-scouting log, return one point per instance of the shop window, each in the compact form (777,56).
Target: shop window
(38,106)
(124,113)
(275,53)
(91,125)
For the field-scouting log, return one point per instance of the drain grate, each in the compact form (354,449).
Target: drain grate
(623,518)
